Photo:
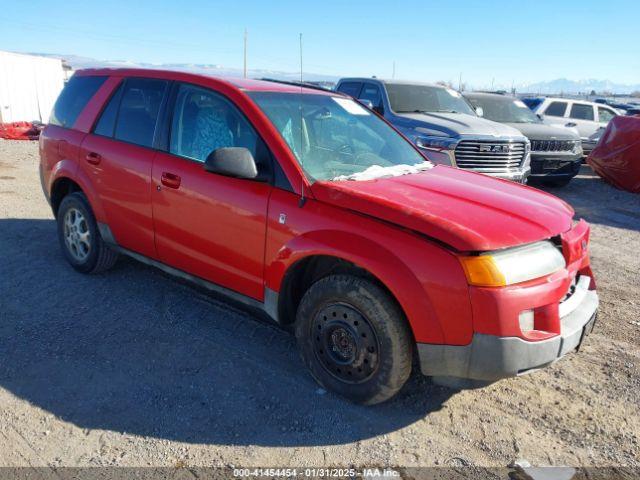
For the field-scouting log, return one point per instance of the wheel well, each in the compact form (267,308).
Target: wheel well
(304,273)
(62,188)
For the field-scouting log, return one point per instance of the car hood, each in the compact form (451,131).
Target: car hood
(456,124)
(465,210)
(542,131)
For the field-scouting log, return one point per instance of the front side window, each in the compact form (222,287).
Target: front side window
(581,111)
(556,109)
(605,115)
(334,136)
(350,88)
(73,98)
(415,98)
(204,121)
(138,113)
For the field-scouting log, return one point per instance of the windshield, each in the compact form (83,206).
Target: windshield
(335,138)
(406,98)
(505,110)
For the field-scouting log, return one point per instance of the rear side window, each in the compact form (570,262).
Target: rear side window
(107,122)
(580,111)
(73,98)
(138,112)
(350,88)
(556,109)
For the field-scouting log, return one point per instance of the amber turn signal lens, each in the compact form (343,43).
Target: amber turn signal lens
(482,271)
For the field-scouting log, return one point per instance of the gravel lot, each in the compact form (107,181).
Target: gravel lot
(135,368)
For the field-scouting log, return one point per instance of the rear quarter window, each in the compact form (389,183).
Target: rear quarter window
(73,98)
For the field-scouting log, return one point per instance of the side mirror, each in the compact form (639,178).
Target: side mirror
(232,162)
(539,116)
(366,103)
(480,111)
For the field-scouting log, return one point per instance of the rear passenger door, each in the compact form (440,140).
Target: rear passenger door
(118,154)
(209,225)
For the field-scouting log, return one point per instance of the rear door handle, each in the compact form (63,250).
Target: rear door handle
(170,180)
(93,158)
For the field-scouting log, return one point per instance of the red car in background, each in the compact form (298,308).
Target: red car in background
(312,208)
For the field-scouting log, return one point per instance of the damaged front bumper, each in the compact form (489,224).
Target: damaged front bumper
(489,358)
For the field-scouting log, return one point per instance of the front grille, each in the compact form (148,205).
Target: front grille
(552,145)
(490,155)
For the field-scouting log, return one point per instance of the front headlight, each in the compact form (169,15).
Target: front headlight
(577,147)
(512,265)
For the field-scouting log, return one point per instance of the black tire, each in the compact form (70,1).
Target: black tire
(354,338)
(95,256)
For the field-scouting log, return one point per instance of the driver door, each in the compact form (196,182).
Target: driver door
(209,225)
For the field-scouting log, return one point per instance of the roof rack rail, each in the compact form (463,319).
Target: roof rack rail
(296,84)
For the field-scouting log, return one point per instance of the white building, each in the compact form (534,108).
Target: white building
(29,86)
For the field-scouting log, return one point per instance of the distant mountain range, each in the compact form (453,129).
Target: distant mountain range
(76,62)
(561,85)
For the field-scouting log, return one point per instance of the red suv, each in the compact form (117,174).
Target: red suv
(310,207)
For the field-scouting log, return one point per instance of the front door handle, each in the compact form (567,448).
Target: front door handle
(93,158)
(170,180)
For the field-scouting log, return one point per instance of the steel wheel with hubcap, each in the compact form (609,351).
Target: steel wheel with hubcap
(345,343)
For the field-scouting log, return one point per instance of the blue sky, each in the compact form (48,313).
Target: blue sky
(509,41)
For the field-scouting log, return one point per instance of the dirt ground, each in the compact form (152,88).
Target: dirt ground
(135,368)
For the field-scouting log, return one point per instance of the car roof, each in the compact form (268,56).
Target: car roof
(389,81)
(494,96)
(245,84)
(574,100)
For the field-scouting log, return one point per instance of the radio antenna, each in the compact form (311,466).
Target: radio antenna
(302,197)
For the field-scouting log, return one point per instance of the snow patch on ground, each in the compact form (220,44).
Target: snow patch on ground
(376,171)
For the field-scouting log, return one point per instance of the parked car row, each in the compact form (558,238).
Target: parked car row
(442,123)
(309,207)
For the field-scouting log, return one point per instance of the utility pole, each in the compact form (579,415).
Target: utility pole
(460,82)
(393,74)
(245,53)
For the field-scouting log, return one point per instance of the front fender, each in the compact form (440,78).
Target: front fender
(378,260)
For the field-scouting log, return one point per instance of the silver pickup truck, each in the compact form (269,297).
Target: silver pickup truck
(441,122)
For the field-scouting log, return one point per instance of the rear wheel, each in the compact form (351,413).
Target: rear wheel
(354,338)
(79,237)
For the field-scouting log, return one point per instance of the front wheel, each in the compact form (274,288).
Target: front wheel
(354,338)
